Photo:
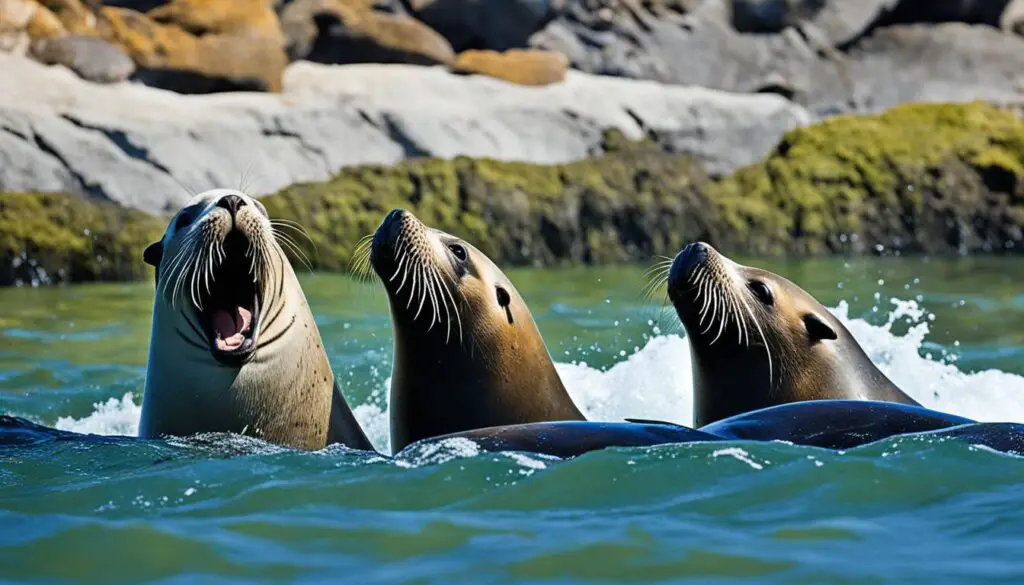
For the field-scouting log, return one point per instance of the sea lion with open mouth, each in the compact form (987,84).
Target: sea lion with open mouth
(758,340)
(467,351)
(234,346)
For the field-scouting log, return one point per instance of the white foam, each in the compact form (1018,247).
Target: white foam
(113,417)
(655,382)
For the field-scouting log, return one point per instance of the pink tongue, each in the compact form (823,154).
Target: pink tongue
(230,329)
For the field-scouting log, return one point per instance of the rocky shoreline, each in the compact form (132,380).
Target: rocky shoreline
(854,184)
(146,148)
(548,131)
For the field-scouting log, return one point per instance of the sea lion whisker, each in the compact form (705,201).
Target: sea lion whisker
(432,283)
(293,247)
(767,348)
(455,309)
(444,301)
(405,275)
(294,225)
(714,312)
(724,320)
(423,293)
(183,269)
(175,265)
(412,288)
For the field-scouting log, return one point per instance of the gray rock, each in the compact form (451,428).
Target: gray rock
(148,148)
(91,58)
(812,61)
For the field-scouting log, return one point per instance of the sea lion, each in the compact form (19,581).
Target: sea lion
(234,346)
(758,340)
(467,353)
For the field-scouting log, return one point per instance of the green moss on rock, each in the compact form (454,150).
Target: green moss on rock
(620,206)
(933,178)
(52,237)
(918,178)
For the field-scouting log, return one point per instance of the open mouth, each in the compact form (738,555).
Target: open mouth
(230,313)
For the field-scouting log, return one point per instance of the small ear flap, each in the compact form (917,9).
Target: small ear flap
(153,253)
(504,300)
(817,329)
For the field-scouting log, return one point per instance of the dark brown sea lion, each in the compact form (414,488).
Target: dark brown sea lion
(234,346)
(467,351)
(758,340)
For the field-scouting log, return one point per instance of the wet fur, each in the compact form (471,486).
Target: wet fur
(749,355)
(285,393)
(467,351)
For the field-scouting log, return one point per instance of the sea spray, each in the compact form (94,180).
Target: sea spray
(654,382)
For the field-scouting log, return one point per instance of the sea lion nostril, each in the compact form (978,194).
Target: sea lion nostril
(692,256)
(232,203)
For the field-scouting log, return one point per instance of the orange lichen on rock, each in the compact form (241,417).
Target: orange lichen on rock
(247,58)
(377,37)
(44,25)
(201,17)
(524,67)
(76,17)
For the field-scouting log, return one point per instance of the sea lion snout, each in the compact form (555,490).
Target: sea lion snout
(686,262)
(383,248)
(232,203)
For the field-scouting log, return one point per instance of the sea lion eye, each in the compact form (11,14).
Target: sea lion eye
(762,292)
(182,222)
(459,252)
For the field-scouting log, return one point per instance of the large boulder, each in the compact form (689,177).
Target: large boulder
(201,17)
(924,178)
(22,21)
(524,67)
(832,23)
(920,178)
(90,58)
(170,57)
(146,148)
(807,63)
(76,16)
(338,31)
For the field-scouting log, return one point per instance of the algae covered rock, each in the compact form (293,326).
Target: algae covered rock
(170,57)
(51,237)
(921,178)
(622,206)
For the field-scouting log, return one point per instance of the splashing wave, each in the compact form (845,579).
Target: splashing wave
(655,382)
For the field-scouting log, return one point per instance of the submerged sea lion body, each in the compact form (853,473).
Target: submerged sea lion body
(234,347)
(833,424)
(468,354)
(573,438)
(758,340)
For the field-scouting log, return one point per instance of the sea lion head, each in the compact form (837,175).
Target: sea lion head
(218,269)
(234,346)
(467,350)
(759,340)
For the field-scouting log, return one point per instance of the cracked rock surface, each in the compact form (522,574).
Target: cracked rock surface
(147,148)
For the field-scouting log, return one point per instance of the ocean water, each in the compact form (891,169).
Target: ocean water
(232,510)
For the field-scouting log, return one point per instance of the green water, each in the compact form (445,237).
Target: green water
(233,510)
